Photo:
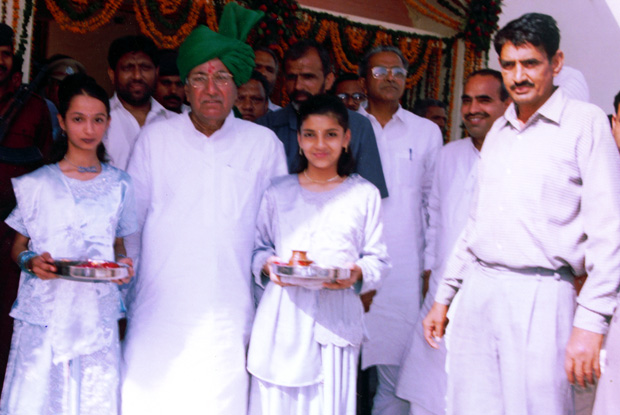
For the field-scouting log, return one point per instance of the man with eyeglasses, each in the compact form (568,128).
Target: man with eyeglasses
(307,72)
(348,88)
(133,62)
(198,178)
(408,145)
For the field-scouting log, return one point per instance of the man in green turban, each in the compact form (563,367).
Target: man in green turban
(199,178)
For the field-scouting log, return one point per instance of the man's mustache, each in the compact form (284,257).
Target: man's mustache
(520,84)
(477,114)
(301,94)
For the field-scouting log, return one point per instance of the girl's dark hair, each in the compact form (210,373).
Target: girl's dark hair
(334,107)
(70,87)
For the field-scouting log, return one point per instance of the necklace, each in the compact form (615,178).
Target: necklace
(320,181)
(82,169)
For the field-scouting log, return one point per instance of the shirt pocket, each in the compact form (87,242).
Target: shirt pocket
(408,167)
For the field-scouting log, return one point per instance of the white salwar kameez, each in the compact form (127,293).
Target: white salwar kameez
(65,351)
(190,309)
(408,146)
(305,342)
(423,380)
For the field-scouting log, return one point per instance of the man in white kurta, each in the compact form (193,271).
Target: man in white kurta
(132,62)
(546,209)
(423,378)
(199,179)
(408,146)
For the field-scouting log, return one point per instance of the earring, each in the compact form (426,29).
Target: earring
(301,153)
(346,149)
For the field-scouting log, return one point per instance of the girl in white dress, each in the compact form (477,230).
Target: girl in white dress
(64,355)
(305,340)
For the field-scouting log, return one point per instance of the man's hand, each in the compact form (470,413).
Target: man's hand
(367,299)
(582,357)
(435,324)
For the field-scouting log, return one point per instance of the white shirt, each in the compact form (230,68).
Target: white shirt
(124,129)
(191,309)
(456,175)
(408,146)
(422,378)
(548,196)
(272,106)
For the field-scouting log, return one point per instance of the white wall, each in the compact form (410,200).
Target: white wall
(590,39)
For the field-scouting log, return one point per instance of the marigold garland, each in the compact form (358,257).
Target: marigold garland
(93,18)
(145,9)
(15,16)
(23,34)
(168,7)
(211,14)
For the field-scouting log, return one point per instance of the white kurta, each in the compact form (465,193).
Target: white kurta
(191,308)
(124,129)
(423,379)
(408,146)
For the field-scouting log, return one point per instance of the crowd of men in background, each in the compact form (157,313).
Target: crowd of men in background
(427,188)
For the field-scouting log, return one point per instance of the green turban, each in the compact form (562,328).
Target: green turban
(228,45)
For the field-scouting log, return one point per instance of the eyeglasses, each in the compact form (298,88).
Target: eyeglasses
(380,72)
(219,78)
(357,97)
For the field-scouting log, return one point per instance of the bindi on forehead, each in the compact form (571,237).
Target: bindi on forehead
(210,67)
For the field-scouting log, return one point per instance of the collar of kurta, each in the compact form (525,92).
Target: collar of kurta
(399,115)
(551,110)
(225,129)
(156,107)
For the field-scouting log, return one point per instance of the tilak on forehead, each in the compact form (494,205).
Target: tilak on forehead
(228,45)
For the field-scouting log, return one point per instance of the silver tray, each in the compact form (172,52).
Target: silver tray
(311,272)
(70,269)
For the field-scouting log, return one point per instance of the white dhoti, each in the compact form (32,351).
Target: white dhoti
(508,345)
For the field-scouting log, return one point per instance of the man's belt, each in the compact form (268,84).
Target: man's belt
(564,272)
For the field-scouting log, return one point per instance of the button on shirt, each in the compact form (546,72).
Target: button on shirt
(548,196)
(124,129)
